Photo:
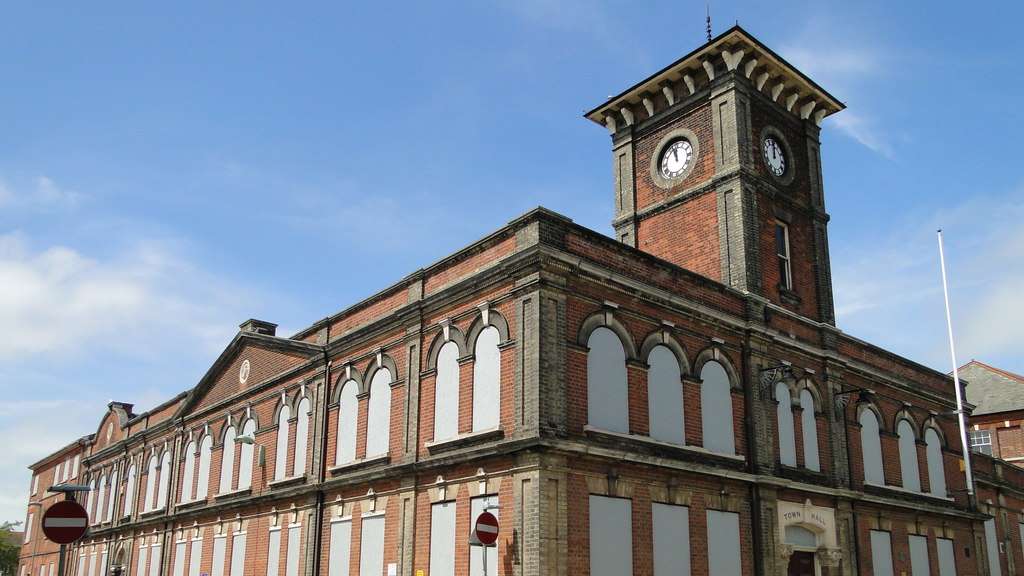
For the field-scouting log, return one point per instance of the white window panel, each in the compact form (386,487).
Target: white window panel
(809,431)
(301,437)
(238,554)
(947,557)
(371,551)
(611,536)
(195,557)
(476,551)
(871,448)
(992,547)
(378,428)
(112,499)
(442,539)
(291,565)
(101,494)
(341,548)
(74,466)
(283,430)
(716,409)
(665,396)
(348,419)
(81,565)
(28,526)
(446,393)
(165,479)
(881,553)
(908,456)
(52,569)
(205,456)
(486,380)
(723,543)
(129,491)
(919,556)
(227,461)
(246,456)
(179,559)
(154,560)
(151,474)
(671,526)
(220,549)
(188,472)
(274,552)
(607,388)
(936,468)
(784,420)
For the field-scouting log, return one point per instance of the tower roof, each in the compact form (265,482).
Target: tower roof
(740,52)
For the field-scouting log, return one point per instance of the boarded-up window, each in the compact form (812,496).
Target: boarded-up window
(442,539)
(784,418)
(154,559)
(446,393)
(103,564)
(246,456)
(871,448)
(919,556)
(341,551)
(665,396)
(809,431)
(671,540)
(486,380)
(992,547)
(188,471)
(238,554)
(101,493)
(908,456)
(129,491)
(205,455)
(165,479)
(607,390)
(881,553)
(476,551)
(716,409)
(140,563)
(274,552)
(195,557)
(291,565)
(281,458)
(947,557)
(302,424)
(348,418)
(723,543)
(371,552)
(227,460)
(179,559)
(800,536)
(936,469)
(379,414)
(220,550)
(611,536)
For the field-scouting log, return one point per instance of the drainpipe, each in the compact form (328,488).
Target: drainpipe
(755,489)
(322,472)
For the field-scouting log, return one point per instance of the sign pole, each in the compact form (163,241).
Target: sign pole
(60,560)
(485,559)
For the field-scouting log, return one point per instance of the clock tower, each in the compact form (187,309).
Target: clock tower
(717,168)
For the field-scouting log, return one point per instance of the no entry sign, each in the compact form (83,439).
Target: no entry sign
(65,522)
(486,528)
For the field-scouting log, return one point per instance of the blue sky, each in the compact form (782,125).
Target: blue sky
(167,171)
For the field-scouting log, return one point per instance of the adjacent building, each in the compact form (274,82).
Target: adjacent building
(673,400)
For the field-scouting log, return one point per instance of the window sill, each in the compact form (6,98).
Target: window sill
(788,296)
(286,481)
(233,494)
(468,439)
(190,504)
(151,513)
(903,491)
(598,432)
(359,464)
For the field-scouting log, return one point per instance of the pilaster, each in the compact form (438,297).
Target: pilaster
(624,187)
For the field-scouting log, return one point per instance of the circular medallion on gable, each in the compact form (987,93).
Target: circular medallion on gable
(243,372)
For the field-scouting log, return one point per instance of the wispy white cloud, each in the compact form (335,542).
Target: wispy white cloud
(864,131)
(39,193)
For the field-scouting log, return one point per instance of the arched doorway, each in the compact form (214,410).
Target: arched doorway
(804,545)
(806,540)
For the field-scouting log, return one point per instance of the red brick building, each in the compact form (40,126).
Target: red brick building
(676,400)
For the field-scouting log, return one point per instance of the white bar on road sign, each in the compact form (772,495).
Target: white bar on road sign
(64,522)
(487,528)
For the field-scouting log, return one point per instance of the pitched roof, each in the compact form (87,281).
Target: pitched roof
(992,389)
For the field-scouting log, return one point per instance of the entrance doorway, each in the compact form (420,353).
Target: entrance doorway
(801,564)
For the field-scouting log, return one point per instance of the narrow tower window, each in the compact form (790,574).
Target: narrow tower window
(782,252)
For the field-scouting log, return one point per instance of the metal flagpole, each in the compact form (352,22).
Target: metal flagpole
(956,378)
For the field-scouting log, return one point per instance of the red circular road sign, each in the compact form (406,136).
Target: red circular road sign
(65,522)
(486,528)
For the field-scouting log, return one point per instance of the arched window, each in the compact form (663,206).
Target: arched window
(101,494)
(89,500)
(227,461)
(607,388)
(800,536)
(446,393)
(665,396)
(908,456)
(301,437)
(871,448)
(809,431)
(348,420)
(112,499)
(151,472)
(784,419)
(486,380)
(716,408)
(188,471)
(245,455)
(936,469)
(379,414)
(205,455)
(281,460)
(165,479)
(129,490)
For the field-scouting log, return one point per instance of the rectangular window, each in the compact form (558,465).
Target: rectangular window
(782,252)
(35,484)
(74,466)
(881,553)
(723,543)
(238,554)
(291,565)
(154,560)
(919,556)
(947,557)
(992,546)
(52,570)
(671,540)
(28,526)
(611,536)
(476,551)
(140,563)
(81,567)
(981,441)
(179,559)
(103,563)
(220,552)
(341,548)
(42,569)
(442,539)
(195,557)
(371,550)
(273,552)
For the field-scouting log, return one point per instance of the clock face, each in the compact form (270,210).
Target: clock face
(774,157)
(676,159)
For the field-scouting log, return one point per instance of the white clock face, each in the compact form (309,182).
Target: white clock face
(774,157)
(676,159)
